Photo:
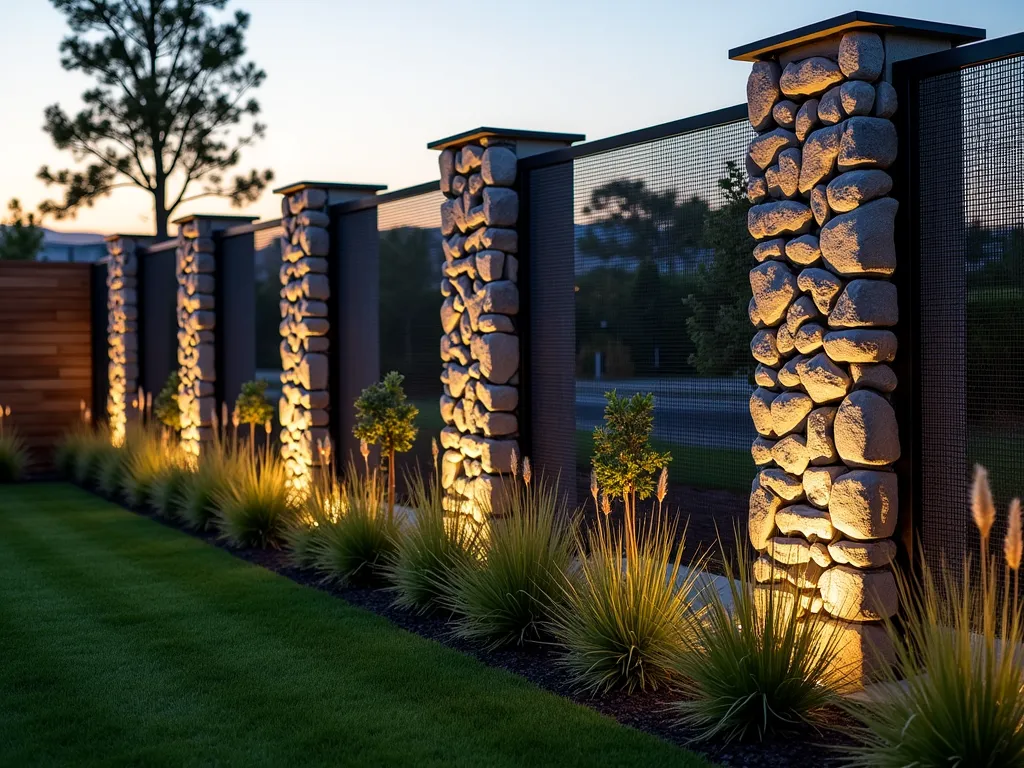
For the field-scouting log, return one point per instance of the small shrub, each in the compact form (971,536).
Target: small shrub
(256,506)
(14,456)
(385,417)
(755,667)
(354,544)
(165,406)
(624,616)
(960,652)
(510,597)
(435,546)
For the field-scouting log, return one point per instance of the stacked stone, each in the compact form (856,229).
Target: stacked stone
(196,320)
(122,333)
(823,506)
(305,290)
(480,345)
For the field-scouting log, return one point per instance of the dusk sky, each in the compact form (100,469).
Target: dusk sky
(355,90)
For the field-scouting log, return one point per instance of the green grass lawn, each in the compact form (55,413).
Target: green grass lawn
(128,643)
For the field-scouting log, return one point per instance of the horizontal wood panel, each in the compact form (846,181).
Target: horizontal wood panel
(45,350)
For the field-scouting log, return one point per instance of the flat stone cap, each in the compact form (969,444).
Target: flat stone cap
(485,135)
(112,238)
(298,186)
(213,216)
(770,47)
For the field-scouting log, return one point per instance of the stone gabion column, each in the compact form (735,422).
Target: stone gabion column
(823,507)
(304,362)
(196,320)
(480,345)
(122,333)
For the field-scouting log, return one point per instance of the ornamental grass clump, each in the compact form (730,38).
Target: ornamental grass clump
(220,465)
(150,454)
(626,609)
(73,442)
(14,455)
(956,695)
(356,536)
(93,445)
(756,663)
(511,597)
(436,545)
(166,489)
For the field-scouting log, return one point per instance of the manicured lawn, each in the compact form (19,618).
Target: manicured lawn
(124,642)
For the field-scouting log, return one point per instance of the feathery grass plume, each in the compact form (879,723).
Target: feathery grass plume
(983,510)
(527,470)
(662,489)
(364,451)
(432,549)
(594,490)
(514,463)
(623,618)
(435,451)
(111,464)
(510,597)
(94,443)
(356,546)
(220,465)
(606,504)
(14,456)
(754,665)
(1013,545)
(259,505)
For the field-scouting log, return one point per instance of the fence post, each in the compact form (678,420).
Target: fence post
(122,333)
(310,319)
(197,272)
(824,504)
(480,348)
(158,287)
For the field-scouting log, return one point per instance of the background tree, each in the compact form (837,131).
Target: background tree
(252,408)
(719,325)
(20,236)
(386,418)
(165,405)
(171,107)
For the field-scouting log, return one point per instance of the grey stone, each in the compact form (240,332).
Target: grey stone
(755,319)
(491,323)
(821,449)
(819,204)
(783,484)
(799,312)
(761,520)
(498,424)
(788,375)
(803,250)
(886,100)
(497,397)
(493,238)
(489,264)
(762,93)
(766,147)
(501,297)
(855,595)
(863,554)
(861,55)
(806,520)
(784,341)
(498,166)
(806,119)
(819,156)
(848,190)
(857,97)
(773,287)
(790,453)
(314,241)
(784,113)
(809,77)
(830,108)
(788,178)
(469,158)
(809,338)
(861,346)
(449,316)
(314,219)
(770,249)
(447,217)
(761,450)
(865,303)
(824,380)
(476,184)
(501,207)
(766,377)
(763,347)
(879,377)
(459,185)
(456,377)
(862,242)
(498,355)
(865,430)
(778,218)
(446,164)
(757,189)
(788,412)
(761,411)
(817,482)
(823,286)
(868,142)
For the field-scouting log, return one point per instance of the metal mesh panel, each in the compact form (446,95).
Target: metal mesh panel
(659,258)
(971,289)
(267,255)
(410,301)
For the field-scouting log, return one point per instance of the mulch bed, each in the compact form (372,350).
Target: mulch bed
(647,712)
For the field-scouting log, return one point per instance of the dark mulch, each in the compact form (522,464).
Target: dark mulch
(647,712)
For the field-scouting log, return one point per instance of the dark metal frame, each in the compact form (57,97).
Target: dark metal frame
(98,340)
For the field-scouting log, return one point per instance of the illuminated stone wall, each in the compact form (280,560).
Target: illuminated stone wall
(122,333)
(823,507)
(305,291)
(480,345)
(196,321)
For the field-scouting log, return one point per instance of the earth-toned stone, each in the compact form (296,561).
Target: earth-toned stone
(789,550)
(799,312)
(764,349)
(778,218)
(862,242)
(856,595)
(755,319)
(861,55)
(757,189)
(865,304)
(806,119)
(879,377)
(809,339)
(864,504)
(848,190)
(861,346)
(766,377)
(819,156)
(762,93)
(761,450)
(783,484)
(863,554)
(770,249)
(773,287)
(761,410)
(866,433)
(830,108)
(823,286)
(819,204)
(765,148)
(817,482)
(790,453)
(861,652)
(763,506)
(857,97)
(803,250)
(809,77)
(784,341)
(788,412)
(867,142)
(806,520)
(498,355)
(824,381)
(784,113)
(788,375)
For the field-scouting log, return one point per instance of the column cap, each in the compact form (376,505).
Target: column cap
(127,236)
(770,47)
(486,135)
(212,217)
